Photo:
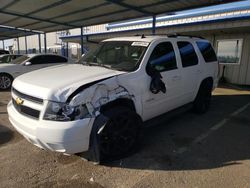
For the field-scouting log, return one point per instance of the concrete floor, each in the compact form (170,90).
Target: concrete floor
(189,150)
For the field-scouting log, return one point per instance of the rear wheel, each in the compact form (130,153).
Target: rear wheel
(203,99)
(120,135)
(5,82)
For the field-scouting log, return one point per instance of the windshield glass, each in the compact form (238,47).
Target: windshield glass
(19,60)
(118,55)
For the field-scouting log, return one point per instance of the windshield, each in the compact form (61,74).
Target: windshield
(19,60)
(118,55)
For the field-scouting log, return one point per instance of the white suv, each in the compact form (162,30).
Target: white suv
(99,105)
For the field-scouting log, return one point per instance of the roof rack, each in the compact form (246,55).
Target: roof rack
(180,35)
(175,35)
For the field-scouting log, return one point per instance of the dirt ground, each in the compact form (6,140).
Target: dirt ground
(188,150)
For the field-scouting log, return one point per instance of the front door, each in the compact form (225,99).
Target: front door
(163,60)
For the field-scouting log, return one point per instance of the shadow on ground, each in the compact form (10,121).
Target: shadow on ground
(7,135)
(226,146)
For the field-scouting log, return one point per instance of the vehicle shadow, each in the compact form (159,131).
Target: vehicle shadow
(6,135)
(161,144)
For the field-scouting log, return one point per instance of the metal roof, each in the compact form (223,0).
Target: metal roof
(10,32)
(236,24)
(54,15)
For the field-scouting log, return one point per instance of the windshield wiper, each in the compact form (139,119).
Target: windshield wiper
(99,65)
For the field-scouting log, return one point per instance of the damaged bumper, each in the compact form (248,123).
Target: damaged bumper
(65,137)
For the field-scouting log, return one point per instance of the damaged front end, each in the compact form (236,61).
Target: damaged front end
(87,103)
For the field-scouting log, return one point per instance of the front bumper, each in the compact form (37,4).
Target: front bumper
(66,137)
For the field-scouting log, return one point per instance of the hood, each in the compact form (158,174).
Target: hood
(58,82)
(5,65)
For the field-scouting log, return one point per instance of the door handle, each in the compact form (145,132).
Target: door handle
(199,71)
(175,78)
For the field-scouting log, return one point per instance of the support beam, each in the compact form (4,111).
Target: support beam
(18,46)
(36,19)
(67,49)
(82,51)
(3,45)
(26,48)
(130,7)
(39,43)
(55,4)
(45,43)
(153,24)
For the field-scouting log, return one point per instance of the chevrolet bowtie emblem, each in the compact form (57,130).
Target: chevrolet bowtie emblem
(19,101)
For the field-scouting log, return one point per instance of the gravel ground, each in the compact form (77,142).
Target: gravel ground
(187,150)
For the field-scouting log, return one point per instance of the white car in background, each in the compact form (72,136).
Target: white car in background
(26,63)
(7,58)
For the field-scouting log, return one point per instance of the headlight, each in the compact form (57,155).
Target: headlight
(64,112)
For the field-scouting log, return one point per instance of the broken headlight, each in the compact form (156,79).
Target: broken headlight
(56,111)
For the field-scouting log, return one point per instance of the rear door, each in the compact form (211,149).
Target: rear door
(190,71)
(163,59)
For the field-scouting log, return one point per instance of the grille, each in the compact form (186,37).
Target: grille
(27,97)
(26,110)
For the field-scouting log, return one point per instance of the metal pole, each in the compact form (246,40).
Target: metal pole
(39,42)
(45,44)
(153,24)
(67,49)
(3,45)
(26,49)
(82,51)
(18,47)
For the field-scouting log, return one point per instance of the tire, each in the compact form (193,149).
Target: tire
(202,101)
(121,133)
(5,82)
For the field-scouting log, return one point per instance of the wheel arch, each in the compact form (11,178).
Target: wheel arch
(129,103)
(207,82)
(5,73)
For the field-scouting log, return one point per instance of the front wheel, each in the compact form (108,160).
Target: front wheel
(121,132)
(5,82)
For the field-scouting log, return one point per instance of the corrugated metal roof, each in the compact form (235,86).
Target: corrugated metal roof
(10,32)
(212,25)
(54,15)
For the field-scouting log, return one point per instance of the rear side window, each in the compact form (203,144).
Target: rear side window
(188,55)
(58,59)
(163,57)
(207,51)
(37,60)
(48,59)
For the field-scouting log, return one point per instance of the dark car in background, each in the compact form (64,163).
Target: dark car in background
(4,52)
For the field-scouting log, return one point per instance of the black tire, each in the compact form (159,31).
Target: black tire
(120,135)
(202,101)
(5,81)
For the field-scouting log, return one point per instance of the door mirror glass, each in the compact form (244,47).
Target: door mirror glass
(28,63)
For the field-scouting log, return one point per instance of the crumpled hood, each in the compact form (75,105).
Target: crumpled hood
(58,82)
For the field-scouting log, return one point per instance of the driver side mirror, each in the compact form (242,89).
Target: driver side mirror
(27,63)
(156,84)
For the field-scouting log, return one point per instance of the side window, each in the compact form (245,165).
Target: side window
(58,59)
(37,60)
(207,51)
(163,57)
(188,55)
(47,59)
(5,59)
